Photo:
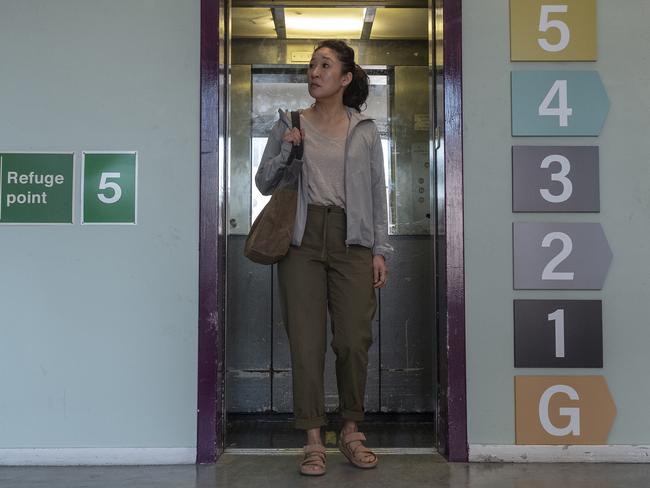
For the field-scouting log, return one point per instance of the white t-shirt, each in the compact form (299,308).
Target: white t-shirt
(325,159)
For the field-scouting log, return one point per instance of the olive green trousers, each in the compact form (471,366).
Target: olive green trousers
(323,273)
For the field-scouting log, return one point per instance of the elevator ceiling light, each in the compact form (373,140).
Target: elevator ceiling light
(324,23)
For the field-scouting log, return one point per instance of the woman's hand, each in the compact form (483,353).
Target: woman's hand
(380,272)
(294,136)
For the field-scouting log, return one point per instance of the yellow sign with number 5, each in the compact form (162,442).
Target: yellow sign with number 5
(548,30)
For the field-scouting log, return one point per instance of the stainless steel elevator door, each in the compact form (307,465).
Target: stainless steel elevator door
(402,360)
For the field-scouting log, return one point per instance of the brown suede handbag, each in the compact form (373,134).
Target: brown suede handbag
(269,239)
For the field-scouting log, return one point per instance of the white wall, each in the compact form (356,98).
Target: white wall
(98,324)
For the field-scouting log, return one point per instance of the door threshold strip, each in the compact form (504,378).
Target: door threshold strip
(294,451)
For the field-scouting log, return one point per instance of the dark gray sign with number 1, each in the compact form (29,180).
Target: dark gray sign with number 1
(558,333)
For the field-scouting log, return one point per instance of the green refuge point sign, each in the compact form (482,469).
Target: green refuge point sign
(36,188)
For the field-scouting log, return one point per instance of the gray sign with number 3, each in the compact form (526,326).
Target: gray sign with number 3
(555,179)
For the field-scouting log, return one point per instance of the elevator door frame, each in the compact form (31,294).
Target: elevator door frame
(451,435)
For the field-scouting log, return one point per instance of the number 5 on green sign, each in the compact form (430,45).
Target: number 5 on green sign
(109,193)
(103,184)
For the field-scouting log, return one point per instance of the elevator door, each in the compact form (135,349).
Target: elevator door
(402,362)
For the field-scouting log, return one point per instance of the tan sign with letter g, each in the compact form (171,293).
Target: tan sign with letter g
(563,410)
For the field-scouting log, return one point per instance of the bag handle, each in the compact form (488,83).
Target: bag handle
(296,151)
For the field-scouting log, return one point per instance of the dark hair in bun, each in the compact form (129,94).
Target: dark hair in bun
(356,92)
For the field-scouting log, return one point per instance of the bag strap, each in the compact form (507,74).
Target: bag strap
(296,151)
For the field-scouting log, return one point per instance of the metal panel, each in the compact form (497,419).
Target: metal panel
(408,328)
(410,198)
(239,170)
(248,333)
(407,390)
(282,400)
(375,52)
(248,391)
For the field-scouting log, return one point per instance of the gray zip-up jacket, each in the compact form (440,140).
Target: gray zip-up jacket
(365,187)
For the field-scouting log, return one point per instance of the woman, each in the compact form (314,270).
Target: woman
(339,246)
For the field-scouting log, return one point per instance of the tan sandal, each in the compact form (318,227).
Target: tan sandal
(355,455)
(314,456)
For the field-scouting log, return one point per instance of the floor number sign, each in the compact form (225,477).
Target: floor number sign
(541,30)
(109,188)
(563,410)
(560,256)
(558,103)
(557,332)
(555,179)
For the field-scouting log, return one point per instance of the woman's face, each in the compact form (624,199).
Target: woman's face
(324,75)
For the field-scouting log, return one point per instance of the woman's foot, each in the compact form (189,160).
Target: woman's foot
(313,462)
(350,444)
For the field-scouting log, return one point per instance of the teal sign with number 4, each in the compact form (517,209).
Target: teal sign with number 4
(109,193)
(558,103)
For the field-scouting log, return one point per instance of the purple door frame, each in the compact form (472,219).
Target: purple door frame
(212,237)
(452,425)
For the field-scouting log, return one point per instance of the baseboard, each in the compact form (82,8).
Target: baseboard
(617,453)
(96,456)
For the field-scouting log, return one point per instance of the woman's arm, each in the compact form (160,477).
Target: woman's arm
(379,211)
(274,159)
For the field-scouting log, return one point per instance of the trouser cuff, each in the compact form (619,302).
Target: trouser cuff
(310,423)
(352,415)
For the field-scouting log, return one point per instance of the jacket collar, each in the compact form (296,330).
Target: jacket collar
(355,117)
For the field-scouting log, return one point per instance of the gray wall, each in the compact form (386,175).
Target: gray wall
(624,65)
(98,324)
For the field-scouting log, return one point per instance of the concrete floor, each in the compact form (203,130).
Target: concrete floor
(279,471)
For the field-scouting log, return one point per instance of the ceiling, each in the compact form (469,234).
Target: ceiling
(324,23)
